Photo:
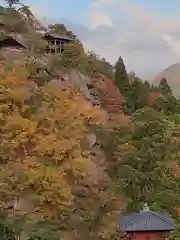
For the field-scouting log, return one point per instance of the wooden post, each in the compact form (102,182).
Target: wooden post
(49,47)
(60,47)
(55,44)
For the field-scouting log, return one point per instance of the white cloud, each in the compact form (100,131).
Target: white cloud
(100,19)
(174,44)
(147,42)
(97,4)
(39,12)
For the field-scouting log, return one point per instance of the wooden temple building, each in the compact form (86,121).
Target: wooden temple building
(147,225)
(16,42)
(55,43)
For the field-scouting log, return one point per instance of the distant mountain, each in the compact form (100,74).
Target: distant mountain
(172,74)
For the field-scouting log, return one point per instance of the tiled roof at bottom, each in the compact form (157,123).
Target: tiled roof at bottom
(146,221)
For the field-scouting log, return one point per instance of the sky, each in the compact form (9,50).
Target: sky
(146,33)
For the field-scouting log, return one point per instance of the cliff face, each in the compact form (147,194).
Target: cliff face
(100,91)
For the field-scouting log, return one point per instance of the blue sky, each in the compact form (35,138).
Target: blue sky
(74,10)
(144,32)
(77,9)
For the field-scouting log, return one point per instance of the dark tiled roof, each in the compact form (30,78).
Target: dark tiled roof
(146,221)
(61,37)
(19,38)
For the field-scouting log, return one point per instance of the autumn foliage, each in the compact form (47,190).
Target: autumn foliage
(41,156)
(110,95)
(153,97)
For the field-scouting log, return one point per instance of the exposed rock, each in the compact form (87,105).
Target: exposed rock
(91,139)
(83,84)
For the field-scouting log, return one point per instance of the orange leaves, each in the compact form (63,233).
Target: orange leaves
(177,210)
(112,98)
(62,121)
(153,97)
(41,132)
(50,186)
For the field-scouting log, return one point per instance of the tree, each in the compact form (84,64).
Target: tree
(57,28)
(41,153)
(164,87)
(138,93)
(29,17)
(12,2)
(61,30)
(73,55)
(121,77)
(143,171)
(6,233)
(19,20)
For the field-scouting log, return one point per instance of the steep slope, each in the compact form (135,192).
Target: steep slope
(172,74)
(110,97)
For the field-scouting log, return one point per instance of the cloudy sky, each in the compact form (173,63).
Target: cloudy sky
(146,33)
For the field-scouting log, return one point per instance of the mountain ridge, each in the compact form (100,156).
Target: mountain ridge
(172,74)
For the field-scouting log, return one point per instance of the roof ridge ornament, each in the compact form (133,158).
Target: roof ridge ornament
(145,208)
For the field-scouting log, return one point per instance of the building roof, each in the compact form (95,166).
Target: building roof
(59,37)
(16,37)
(146,221)
(19,38)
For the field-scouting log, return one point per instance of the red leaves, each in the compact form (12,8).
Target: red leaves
(153,96)
(110,95)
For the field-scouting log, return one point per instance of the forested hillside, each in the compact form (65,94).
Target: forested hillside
(69,166)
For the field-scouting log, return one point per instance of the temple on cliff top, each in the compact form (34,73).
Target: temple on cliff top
(16,42)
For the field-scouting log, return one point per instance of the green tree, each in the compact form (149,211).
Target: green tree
(6,233)
(121,77)
(164,87)
(145,151)
(12,2)
(12,21)
(29,17)
(138,93)
(73,55)
(61,30)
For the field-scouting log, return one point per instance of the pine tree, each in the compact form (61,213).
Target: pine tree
(121,77)
(164,87)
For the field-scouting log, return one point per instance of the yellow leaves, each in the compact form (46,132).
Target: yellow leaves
(118,119)
(50,185)
(174,167)
(51,145)
(16,121)
(17,130)
(124,149)
(109,226)
(77,164)
(177,210)
(93,115)
(115,203)
(15,89)
(42,148)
